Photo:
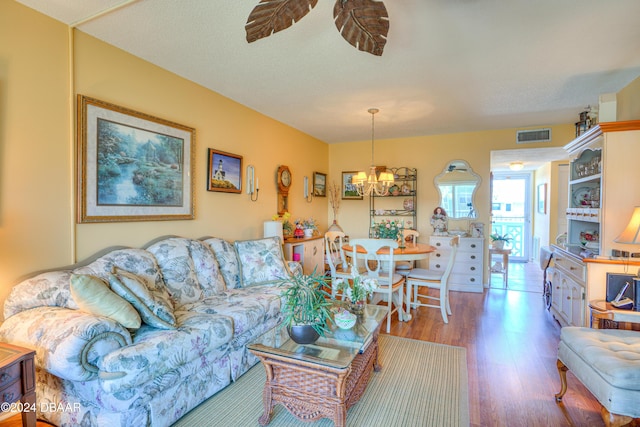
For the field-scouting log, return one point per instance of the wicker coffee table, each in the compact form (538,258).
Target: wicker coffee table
(324,379)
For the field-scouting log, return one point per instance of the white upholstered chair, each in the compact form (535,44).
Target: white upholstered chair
(404,267)
(336,258)
(382,268)
(433,279)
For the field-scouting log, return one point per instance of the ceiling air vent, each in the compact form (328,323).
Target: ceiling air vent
(535,135)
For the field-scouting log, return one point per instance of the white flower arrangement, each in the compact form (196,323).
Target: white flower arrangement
(358,288)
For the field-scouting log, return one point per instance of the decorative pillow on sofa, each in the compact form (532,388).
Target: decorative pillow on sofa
(94,296)
(155,307)
(227,260)
(261,261)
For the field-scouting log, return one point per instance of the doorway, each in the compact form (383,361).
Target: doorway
(511,211)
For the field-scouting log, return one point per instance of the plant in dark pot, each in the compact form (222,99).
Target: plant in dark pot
(306,307)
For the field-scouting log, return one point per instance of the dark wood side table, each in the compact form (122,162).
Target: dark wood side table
(606,316)
(18,382)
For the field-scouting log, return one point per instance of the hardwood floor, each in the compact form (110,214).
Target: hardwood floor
(511,342)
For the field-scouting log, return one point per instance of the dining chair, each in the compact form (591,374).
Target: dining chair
(432,279)
(381,266)
(404,267)
(336,258)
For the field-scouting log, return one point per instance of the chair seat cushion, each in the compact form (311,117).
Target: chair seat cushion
(425,274)
(612,353)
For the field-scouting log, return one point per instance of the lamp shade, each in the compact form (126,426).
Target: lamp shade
(273,229)
(631,234)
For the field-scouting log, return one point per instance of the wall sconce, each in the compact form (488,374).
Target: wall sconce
(308,196)
(252,183)
(516,166)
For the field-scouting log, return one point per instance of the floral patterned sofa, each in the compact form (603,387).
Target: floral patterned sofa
(199,303)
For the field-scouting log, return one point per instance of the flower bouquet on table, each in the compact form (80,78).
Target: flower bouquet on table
(309,225)
(388,229)
(357,289)
(287,227)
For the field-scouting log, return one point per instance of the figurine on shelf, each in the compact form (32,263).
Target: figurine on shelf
(439,222)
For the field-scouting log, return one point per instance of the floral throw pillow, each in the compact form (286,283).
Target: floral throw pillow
(155,308)
(261,261)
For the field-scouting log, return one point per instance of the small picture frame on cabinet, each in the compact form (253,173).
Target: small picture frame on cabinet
(477,229)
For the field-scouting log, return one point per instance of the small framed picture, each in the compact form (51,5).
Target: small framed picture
(349,190)
(319,184)
(225,172)
(542,198)
(477,229)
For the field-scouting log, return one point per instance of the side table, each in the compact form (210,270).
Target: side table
(18,381)
(606,316)
(505,265)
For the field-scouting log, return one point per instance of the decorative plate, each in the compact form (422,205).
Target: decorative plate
(580,195)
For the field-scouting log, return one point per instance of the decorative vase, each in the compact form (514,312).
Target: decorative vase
(498,244)
(335,227)
(299,233)
(303,334)
(357,307)
(308,232)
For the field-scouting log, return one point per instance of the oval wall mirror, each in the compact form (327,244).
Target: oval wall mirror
(457,185)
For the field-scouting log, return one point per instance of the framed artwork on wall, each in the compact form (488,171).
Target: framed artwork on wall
(349,191)
(319,184)
(542,198)
(132,166)
(224,172)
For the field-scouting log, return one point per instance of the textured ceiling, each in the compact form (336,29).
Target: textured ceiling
(448,65)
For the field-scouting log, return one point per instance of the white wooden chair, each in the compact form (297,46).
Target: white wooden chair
(335,258)
(404,267)
(435,280)
(382,268)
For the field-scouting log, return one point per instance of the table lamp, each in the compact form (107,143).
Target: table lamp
(631,236)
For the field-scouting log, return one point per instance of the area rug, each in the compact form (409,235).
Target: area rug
(420,384)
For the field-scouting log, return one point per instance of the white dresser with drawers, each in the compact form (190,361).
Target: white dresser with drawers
(467,273)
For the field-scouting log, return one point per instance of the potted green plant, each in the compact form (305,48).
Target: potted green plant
(498,241)
(306,307)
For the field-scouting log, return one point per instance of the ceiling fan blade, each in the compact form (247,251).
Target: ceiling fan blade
(271,16)
(363,23)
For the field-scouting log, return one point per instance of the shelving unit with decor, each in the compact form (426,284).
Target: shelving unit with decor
(401,202)
(603,190)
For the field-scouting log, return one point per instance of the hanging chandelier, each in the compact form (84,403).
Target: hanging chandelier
(372,184)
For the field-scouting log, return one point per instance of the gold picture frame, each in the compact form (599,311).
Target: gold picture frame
(132,166)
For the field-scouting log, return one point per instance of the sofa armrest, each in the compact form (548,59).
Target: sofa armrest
(68,343)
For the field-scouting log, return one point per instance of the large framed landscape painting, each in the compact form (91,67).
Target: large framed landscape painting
(132,166)
(225,172)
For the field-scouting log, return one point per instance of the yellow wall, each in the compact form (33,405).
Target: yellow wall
(628,107)
(37,149)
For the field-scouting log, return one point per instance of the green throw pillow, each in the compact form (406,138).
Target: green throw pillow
(94,296)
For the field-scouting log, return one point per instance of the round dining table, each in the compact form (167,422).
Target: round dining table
(409,252)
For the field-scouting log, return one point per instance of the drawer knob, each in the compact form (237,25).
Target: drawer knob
(473,257)
(9,397)
(5,377)
(473,245)
(473,269)
(438,244)
(437,265)
(315,250)
(472,279)
(438,255)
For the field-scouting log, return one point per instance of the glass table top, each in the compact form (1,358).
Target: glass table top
(337,348)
